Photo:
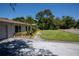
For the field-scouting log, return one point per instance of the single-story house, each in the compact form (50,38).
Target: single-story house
(9,27)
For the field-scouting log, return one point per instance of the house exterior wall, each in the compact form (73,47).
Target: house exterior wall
(7,30)
(11,30)
(3,30)
(23,28)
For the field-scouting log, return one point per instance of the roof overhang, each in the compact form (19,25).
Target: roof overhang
(14,22)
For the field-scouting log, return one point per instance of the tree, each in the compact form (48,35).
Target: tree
(21,19)
(30,20)
(44,18)
(57,22)
(68,22)
(77,24)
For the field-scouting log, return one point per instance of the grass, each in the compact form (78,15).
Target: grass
(58,35)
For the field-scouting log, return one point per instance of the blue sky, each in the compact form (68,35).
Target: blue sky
(31,9)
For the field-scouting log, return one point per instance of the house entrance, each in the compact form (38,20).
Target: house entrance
(17,29)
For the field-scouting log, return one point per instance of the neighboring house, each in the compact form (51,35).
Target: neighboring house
(9,27)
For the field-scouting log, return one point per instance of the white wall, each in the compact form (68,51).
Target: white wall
(3,33)
(7,29)
(23,28)
(11,30)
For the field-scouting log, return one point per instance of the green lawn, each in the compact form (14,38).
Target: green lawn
(58,35)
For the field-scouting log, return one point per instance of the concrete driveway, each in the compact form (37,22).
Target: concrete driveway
(59,48)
